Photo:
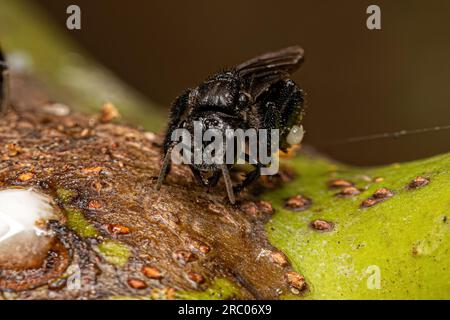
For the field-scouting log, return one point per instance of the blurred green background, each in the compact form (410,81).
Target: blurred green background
(358,81)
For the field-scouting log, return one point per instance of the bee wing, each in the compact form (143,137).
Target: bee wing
(266,69)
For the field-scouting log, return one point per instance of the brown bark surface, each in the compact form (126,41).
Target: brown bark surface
(185,234)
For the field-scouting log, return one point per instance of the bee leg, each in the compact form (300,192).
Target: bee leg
(249,177)
(165,168)
(228,183)
(214,179)
(282,108)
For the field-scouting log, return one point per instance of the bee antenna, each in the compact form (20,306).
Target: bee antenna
(164,168)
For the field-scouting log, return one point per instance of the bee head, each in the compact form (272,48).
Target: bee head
(211,127)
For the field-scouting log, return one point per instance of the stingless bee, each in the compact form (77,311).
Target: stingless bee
(255,94)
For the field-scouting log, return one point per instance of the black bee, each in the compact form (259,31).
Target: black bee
(255,94)
(4,85)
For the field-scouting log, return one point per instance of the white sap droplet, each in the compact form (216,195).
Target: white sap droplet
(295,135)
(22,241)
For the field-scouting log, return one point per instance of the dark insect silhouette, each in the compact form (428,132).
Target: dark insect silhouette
(4,85)
(255,94)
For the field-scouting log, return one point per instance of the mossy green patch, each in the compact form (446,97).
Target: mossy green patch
(397,249)
(65,195)
(78,223)
(219,289)
(114,252)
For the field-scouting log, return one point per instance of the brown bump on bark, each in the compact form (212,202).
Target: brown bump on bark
(137,284)
(200,246)
(369,202)
(383,193)
(91,170)
(250,208)
(196,277)
(418,182)
(348,192)
(322,225)
(118,229)
(257,208)
(265,207)
(25,176)
(109,113)
(85,132)
(295,280)
(279,258)
(184,256)
(13,149)
(152,272)
(339,183)
(298,203)
(378,196)
(94,204)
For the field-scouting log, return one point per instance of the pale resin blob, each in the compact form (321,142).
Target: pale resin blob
(24,242)
(295,135)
